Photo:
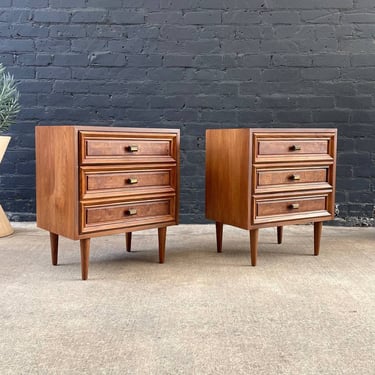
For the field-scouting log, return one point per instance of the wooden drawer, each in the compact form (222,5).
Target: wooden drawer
(101,216)
(292,148)
(289,179)
(105,148)
(276,209)
(102,182)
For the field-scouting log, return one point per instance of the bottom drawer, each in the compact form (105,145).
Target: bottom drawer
(266,210)
(108,216)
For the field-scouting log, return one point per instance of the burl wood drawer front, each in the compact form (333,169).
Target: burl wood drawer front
(269,180)
(127,214)
(271,209)
(103,182)
(292,148)
(130,149)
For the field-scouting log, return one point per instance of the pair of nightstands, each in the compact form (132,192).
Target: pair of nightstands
(94,181)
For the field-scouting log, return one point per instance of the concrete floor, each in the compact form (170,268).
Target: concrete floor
(199,313)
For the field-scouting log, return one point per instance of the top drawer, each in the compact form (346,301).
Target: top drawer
(104,148)
(292,147)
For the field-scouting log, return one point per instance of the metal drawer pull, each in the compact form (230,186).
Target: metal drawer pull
(295,177)
(132,148)
(294,206)
(132,181)
(295,148)
(131,212)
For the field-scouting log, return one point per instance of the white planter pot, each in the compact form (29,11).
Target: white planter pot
(5,227)
(4,141)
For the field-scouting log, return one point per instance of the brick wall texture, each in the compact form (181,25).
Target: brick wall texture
(194,64)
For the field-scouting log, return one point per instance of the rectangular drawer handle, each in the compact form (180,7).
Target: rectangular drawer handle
(131,212)
(295,147)
(294,206)
(132,148)
(132,181)
(295,177)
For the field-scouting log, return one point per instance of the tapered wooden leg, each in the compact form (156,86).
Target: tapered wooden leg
(219,236)
(279,235)
(85,254)
(317,235)
(128,237)
(54,240)
(162,234)
(254,246)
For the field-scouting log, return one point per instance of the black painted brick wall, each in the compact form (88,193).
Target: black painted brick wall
(194,64)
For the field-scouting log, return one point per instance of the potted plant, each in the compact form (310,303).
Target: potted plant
(9,107)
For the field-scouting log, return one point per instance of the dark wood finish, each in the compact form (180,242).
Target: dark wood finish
(85,255)
(279,235)
(54,240)
(162,234)
(128,240)
(219,236)
(254,235)
(317,235)
(259,178)
(94,181)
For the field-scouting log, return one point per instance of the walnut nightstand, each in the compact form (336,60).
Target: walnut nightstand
(95,181)
(258,178)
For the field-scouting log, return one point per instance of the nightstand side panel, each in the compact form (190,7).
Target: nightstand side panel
(227,176)
(56,179)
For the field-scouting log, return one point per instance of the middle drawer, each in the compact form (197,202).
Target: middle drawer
(111,181)
(291,179)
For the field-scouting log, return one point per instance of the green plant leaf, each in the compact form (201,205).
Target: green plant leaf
(9,100)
